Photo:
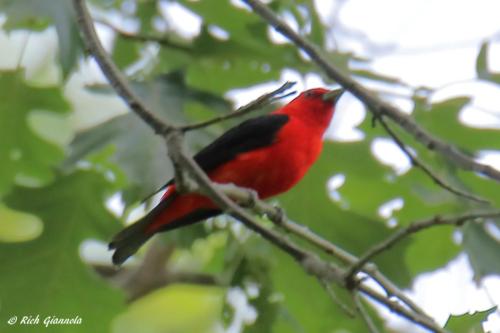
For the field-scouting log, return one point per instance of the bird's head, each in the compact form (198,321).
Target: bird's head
(315,106)
(321,96)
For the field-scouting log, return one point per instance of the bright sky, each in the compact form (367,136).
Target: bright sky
(431,43)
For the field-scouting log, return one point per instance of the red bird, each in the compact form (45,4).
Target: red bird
(268,154)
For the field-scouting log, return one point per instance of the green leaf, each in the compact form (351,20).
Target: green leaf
(125,52)
(29,14)
(468,323)
(16,226)
(173,309)
(140,154)
(482,70)
(482,250)
(309,204)
(247,57)
(304,306)
(482,61)
(46,276)
(430,249)
(138,151)
(422,197)
(146,11)
(26,157)
(465,137)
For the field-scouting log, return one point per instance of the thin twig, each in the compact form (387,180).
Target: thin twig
(415,161)
(344,307)
(162,40)
(188,169)
(413,228)
(277,216)
(394,306)
(310,262)
(253,105)
(360,309)
(374,104)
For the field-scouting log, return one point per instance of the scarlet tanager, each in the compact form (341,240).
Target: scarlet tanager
(268,154)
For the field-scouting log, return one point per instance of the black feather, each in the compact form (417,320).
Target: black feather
(251,134)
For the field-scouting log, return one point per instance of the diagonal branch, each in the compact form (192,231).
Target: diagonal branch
(187,168)
(252,106)
(374,104)
(188,171)
(413,228)
(163,41)
(360,308)
(278,217)
(415,161)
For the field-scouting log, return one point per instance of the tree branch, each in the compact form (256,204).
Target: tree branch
(413,228)
(163,41)
(375,105)
(415,161)
(188,170)
(186,165)
(360,309)
(113,74)
(253,105)
(277,216)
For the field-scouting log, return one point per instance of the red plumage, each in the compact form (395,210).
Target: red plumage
(269,154)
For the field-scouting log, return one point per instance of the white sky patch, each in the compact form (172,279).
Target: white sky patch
(218,32)
(448,290)
(480,117)
(387,209)
(308,81)
(490,157)
(349,113)
(188,27)
(160,24)
(95,251)
(115,204)
(334,183)
(129,7)
(252,289)
(482,93)
(275,36)
(244,313)
(493,230)
(419,23)
(387,152)
(494,55)
(404,104)
(326,9)
(430,69)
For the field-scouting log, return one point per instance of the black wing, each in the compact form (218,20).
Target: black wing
(249,135)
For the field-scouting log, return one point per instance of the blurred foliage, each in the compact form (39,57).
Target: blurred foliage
(46,276)
(53,193)
(468,323)
(174,309)
(38,15)
(27,158)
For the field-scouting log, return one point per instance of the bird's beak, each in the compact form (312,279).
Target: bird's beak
(333,95)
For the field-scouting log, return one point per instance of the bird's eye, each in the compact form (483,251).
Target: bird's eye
(311,94)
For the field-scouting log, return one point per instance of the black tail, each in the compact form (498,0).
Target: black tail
(129,240)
